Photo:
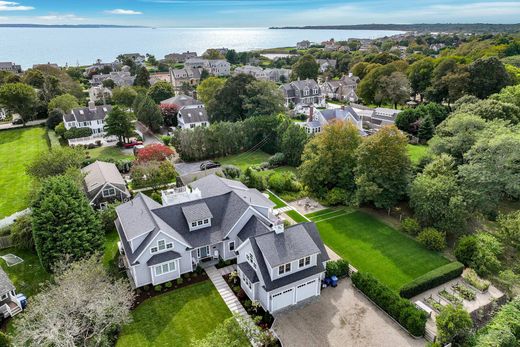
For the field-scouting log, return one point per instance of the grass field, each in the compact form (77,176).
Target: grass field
(296,216)
(18,148)
(108,152)
(176,318)
(416,152)
(26,276)
(372,246)
(279,203)
(244,160)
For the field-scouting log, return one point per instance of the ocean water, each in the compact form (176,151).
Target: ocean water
(28,46)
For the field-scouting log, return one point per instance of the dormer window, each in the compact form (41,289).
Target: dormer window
(284,268)
(304,262)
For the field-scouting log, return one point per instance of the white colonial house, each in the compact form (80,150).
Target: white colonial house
(191,112)
(215,218)
(92,117)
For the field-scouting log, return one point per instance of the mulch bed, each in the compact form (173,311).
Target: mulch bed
(146,292)
(267,319)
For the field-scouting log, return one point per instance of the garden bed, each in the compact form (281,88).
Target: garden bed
(223,263)
(149,291)
(262,318)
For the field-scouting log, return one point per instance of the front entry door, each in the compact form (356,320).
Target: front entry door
(204,252)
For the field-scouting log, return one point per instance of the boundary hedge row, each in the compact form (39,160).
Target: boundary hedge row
(432,279)
(402,310)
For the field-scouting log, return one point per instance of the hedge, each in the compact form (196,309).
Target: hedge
(76,133)
(337,268)
(432,279)
(402,310)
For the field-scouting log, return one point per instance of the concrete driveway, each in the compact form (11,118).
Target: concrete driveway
(341,316)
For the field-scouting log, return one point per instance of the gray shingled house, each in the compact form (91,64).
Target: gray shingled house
(216,218)
(104,184)
(9,303)
(306,92)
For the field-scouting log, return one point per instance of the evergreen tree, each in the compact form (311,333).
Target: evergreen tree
(426,129)
(119,123)
(149,113)
(292,144)
(64,224)
(142,77)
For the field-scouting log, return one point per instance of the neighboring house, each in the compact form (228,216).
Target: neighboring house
(11,67)
(99,65)
(219,218)
(305,92)
(92,117)
(326,64)
(121,78)
(191,113)
(180,57)
(3,113)
(99,93)
(187,75)
(275,75)
(318,119)
(160,76)
(104,184)
(10,304)
(303,44)
(343,89)
(376,118)
(53,65)
(216,67)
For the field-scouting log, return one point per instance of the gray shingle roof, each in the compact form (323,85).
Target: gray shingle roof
(248,271)
(5,283)
(181,100)
(293,244)
(196,212)
(162,258)
(253,227)
(193,115)
(84,114)
(98,174)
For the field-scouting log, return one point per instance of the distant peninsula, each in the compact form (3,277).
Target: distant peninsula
(437,27)
(67,26)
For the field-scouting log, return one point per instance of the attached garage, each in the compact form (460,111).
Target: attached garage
(282,299)
(306,290)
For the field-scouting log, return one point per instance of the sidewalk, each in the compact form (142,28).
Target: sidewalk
(225,292)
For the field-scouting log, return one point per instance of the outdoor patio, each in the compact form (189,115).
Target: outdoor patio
(306,205)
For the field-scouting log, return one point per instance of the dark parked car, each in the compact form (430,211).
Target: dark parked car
(209,165)
(17,120)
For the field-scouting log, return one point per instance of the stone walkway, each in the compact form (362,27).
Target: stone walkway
(227,269)
(225,292)
(282,209)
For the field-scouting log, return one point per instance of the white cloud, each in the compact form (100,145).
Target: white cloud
(60,18)
(123,11)
(13,6)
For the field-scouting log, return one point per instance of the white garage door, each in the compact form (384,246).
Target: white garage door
(282,299)
(305,290)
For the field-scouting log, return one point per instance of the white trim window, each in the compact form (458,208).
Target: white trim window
(250,259)
(108,192)
(161,246)
(165,268)
(284,268)
(304,262)
(231,246)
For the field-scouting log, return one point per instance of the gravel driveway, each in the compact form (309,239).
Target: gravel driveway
(341,316)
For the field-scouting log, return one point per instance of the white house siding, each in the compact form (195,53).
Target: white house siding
(226,253)
(294,286)
(192,125)
(294,268)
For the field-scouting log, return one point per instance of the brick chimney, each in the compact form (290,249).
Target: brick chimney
(91,105)
(311,113)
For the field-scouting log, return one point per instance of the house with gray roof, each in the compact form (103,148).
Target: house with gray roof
(10,67)
(318,119)
(302,92)
(104,184)
(326,64)
(92,117)
(9,303)
(342,89)
(188,75)
(191,112)
(216,218)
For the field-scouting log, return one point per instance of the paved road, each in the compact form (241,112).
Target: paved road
(149,136)
(30,123)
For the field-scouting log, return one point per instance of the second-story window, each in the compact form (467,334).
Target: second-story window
(284,268)
(304,261)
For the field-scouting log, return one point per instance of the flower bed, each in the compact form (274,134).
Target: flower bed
(464,291)
(450,297)
(434,304)
(470,276)
(262,318)
(148,291)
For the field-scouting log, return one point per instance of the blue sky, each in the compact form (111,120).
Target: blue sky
(254,13)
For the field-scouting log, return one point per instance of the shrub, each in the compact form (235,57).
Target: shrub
(157,288)
(21,233)
(146,287)
(168,285)
(432,279)
(75,133)
(466,249)
(432,239)
(199,270)
(5,340)
(247,304)
(154,152)
(60,129)
(454,325)
(283,182)
(338,268)
(402,310)
(179,281)
(336,196)
(410,226)
(471,277)
(278,159)
(253,179)
(166,140)
(231,171)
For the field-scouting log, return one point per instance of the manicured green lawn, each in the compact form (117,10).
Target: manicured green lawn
(279,203)
(176,318)
(416,152)
(244,160)
(26,276)
(296,216)
(108,152)
(372,246)
(111,251)
(18,148)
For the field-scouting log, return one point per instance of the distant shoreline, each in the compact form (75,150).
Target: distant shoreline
(423,27)
(68,26)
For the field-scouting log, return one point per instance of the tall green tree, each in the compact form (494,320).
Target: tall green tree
(329,159)
(420,75)
(230,105)
(426,129)
(120,123)
(56,162)
(64,223)
(454,325)
(149,113)
(383,169)
(64,102)
(492,109)
(208,89)
(262,98)
(394,88)
(19,98)
(487,76)
(142,77)
(160,91)
(124,96)
(293,140)
(305,68)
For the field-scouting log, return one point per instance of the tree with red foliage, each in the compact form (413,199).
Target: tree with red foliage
(154,152)
(169,113)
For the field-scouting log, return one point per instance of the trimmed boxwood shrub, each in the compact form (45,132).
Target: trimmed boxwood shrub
(432,279)
(402,310)
(338,268)
(74,133)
